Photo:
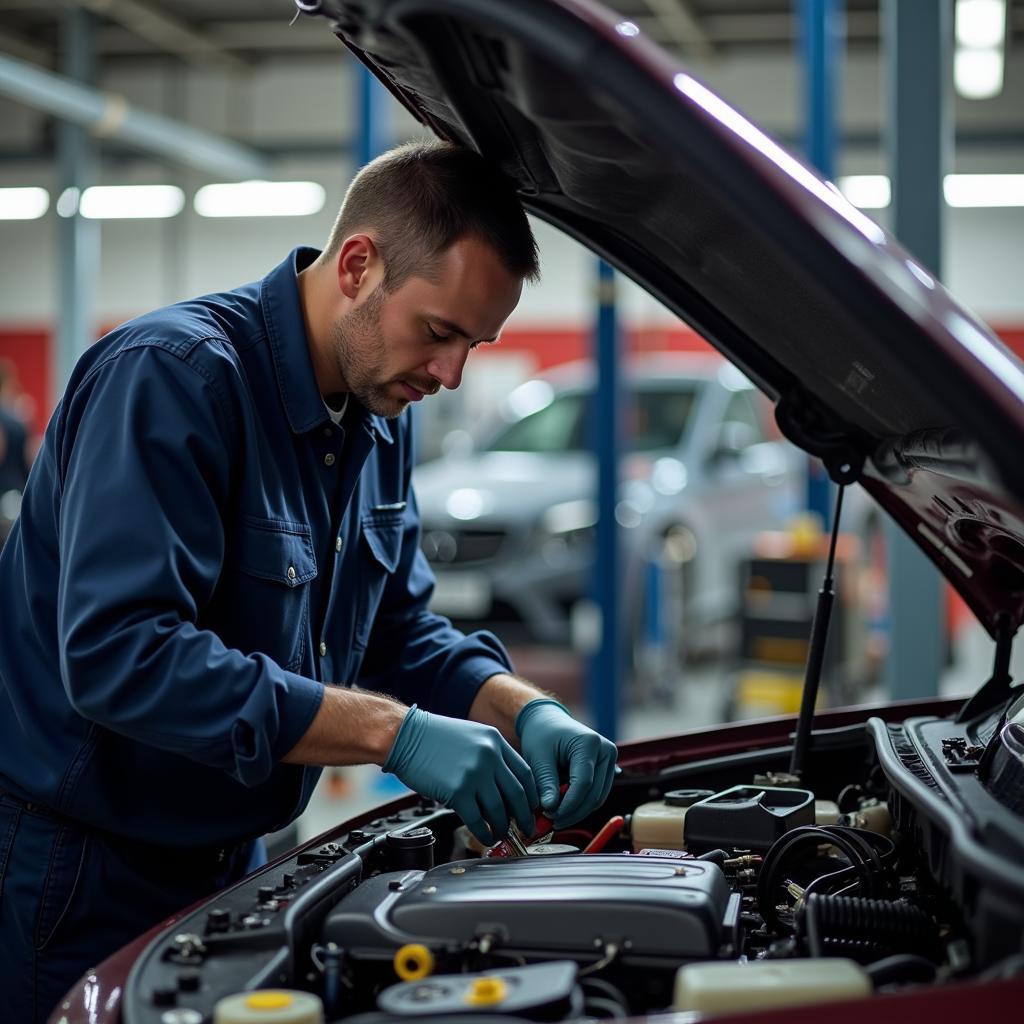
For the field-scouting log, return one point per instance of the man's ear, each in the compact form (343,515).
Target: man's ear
(358,257)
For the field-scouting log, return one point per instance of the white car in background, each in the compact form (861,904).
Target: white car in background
(508,526)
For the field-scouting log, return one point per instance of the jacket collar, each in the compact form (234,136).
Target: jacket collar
(289,344)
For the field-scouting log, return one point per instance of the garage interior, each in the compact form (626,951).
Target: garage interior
(140,145)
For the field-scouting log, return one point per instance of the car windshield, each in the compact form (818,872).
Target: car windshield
(653,418)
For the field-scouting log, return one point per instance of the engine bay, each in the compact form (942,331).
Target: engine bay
(705,884)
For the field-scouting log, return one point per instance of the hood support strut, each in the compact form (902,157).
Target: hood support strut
(997,686)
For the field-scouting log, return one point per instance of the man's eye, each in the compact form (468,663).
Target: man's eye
(435,335)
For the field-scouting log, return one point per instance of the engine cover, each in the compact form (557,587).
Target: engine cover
(554,905)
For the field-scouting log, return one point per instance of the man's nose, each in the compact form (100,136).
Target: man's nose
(447,366)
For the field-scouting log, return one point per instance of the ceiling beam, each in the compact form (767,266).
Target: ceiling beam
(110,116)
(167,33)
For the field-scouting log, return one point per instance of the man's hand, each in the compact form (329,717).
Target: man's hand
(468,767)
(554,744)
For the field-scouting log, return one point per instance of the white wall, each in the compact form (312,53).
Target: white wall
(149,263)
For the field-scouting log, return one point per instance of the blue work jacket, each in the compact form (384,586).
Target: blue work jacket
(200,551)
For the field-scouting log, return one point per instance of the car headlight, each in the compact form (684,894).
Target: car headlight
(565,527)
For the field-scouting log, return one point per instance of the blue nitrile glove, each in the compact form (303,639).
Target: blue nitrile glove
(468,767)
(555,745)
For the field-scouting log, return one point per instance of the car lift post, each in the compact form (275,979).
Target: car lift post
(918,44)
(822,26)
(603,690)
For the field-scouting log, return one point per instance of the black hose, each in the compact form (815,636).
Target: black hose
(718,857)
(864,930)
(868,854)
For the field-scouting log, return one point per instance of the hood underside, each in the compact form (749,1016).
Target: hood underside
(872,365)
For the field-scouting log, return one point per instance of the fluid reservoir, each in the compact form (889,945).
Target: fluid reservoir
(767,984)
(872,815)
(826,812)
(269,1006)
(659,823)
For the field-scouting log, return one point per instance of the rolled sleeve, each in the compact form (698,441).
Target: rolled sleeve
(145,468)
(416,655)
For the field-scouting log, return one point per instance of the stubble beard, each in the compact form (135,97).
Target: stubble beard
(359,351)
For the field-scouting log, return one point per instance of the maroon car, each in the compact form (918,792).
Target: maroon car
(871,860)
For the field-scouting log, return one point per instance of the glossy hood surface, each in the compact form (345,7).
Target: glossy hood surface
(873,366)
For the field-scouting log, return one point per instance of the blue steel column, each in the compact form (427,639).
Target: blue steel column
(606,665)
(822,34)
(78,239)
(373,135)
(917,35)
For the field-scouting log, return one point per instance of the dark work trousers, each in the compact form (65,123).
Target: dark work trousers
(70,896)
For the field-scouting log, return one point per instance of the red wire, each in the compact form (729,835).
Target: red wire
(606,835)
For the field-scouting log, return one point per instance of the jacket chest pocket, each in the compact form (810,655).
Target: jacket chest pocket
(268,582)
(380,548)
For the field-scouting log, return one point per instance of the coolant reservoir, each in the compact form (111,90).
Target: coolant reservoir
(740,988)
(826,812)
(269,1006)
(871,815)
(659,824)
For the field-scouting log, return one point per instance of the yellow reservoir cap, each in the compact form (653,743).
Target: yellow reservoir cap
(269,1006)
(269,1000)
(486,992)
(413,962)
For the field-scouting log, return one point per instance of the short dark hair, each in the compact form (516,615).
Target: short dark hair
(419,199)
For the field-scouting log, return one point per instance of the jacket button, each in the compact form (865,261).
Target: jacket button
(329,459)
(337,544)
(291,572)
(323,649)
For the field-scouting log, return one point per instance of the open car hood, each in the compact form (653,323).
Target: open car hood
(873,366)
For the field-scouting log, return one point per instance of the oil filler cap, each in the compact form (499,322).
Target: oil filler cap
(538,991)
(413,962)
(486,992)
(269,1006)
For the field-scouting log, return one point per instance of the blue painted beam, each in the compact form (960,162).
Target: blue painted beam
(822,31)
(604,682)
(917,35)
(374,134)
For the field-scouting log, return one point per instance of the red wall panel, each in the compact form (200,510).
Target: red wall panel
(30,348)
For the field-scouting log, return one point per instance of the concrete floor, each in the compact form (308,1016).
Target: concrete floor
(697,700)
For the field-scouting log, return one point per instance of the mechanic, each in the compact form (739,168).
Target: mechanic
(215,586)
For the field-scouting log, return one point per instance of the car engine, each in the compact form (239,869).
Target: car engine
(706,884)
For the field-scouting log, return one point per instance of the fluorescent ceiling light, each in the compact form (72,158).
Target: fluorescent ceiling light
(980,24)
(873,191)
(28,203)
(984,189)
(115,202)
(978,73)
(867,191)
(260,199)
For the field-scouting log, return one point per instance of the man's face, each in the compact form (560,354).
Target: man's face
(392,348)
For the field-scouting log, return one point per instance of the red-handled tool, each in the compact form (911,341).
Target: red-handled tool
(543,826)
(515,843)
